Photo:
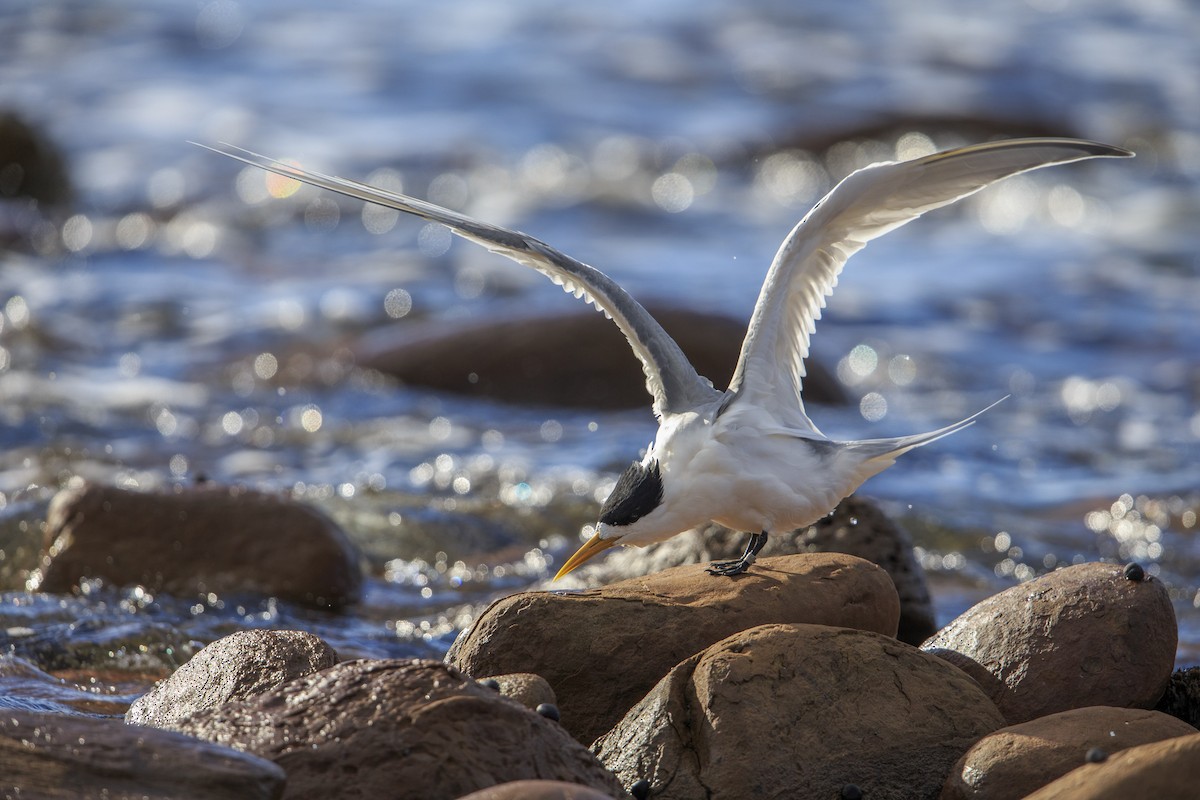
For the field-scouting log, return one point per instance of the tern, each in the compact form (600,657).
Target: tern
(748,457)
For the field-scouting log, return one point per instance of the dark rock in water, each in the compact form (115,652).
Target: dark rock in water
(857,527)
(602,649)
(1080,636)
(194,540)
(1182,697)
(397,729)
(30,165)
(1166,770)
(1020,759)
(573,359)
(59,756)
(801,711)
(537,790)
(241,665)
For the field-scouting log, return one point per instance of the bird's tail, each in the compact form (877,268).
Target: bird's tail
(876,455)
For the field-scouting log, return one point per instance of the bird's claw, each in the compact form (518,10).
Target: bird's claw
(729,568)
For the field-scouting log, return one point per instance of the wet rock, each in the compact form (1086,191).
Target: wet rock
(58,756)
(801,711)
(857,527)
(1014,761)
(195,540)
(24,686)
(1182,697)
(30,165)
(1167,770)
(1080,636)
(241,665)
(572,359)
(526,688)
(602,649)
(397,729)
(537,790)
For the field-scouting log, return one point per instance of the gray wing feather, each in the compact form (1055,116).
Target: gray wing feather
(866,205)
(671,379)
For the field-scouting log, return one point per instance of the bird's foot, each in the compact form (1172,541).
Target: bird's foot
(729,567)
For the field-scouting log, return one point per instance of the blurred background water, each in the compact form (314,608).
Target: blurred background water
(179,316)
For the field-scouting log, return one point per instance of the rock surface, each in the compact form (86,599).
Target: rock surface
(397,729)
(1018,760)
(1168,770)
(52,756)
(1182,697)
(783,711)
(196,540)
(602,649)
(241,665)
(573,359)
(856,527)
(1081,636)
(537,790)
(526,688)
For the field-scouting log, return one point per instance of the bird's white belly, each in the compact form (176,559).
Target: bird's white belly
(756,482)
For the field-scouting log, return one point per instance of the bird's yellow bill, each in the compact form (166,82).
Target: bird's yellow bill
(591,547)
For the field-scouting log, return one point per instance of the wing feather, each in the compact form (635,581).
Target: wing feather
(865,205)
(671,379)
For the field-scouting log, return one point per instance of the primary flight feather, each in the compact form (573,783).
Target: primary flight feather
(749,457)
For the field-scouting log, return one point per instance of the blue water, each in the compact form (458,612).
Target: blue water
(177,320)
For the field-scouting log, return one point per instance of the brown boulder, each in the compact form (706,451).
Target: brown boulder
(1081,636)
(573,359)
(1168,770)
(196,540)
(397,729)
(856,527)
(536,790)
(786,711)
(526,688)
(602,649)
(60,756)
(1017,760)
(238,666)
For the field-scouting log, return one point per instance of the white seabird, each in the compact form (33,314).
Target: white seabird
(748,457)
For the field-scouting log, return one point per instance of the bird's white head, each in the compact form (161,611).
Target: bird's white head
(638,492)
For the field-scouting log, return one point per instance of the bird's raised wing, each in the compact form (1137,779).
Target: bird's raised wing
(671,379)
(867,204)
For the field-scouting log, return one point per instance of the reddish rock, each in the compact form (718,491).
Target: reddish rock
(241,665)
(397,729)
(575,358)
(785,711)
(1168,770)
(1017,760)
(1082,636)
(63,757)
(195,540)
(537,790)
(602,649)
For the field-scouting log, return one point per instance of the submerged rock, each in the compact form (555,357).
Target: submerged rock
(195,540)
(573,359)
(241,665)
(1081,636)
(1167,770)
(60,756)
(602,649)
(1017,760)
(397,729)
(801,711)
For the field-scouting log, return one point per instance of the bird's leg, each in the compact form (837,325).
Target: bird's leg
(757,540)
